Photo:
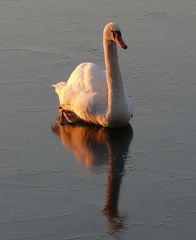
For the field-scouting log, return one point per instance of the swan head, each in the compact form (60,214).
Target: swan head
(112,33)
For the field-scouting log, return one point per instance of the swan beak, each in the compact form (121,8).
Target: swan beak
(121,43)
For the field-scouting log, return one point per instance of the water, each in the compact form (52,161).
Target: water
(87,182)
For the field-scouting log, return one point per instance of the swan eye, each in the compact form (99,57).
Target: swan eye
(116,34)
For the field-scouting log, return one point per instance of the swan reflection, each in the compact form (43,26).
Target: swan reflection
(94,145)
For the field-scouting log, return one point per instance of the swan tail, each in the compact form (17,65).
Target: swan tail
(58,86)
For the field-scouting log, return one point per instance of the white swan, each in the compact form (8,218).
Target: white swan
(94,95)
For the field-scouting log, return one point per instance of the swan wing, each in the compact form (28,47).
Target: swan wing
(85,92)
(88,77)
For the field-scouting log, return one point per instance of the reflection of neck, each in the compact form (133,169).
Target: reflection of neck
(115,173)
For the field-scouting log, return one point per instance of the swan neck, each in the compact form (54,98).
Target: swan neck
(116,98)
(111,62)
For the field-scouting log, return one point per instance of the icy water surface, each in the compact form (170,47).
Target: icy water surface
(86,182)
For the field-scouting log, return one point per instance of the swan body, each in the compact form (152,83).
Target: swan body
(94,95)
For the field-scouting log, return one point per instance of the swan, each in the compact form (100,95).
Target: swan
(94,95)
